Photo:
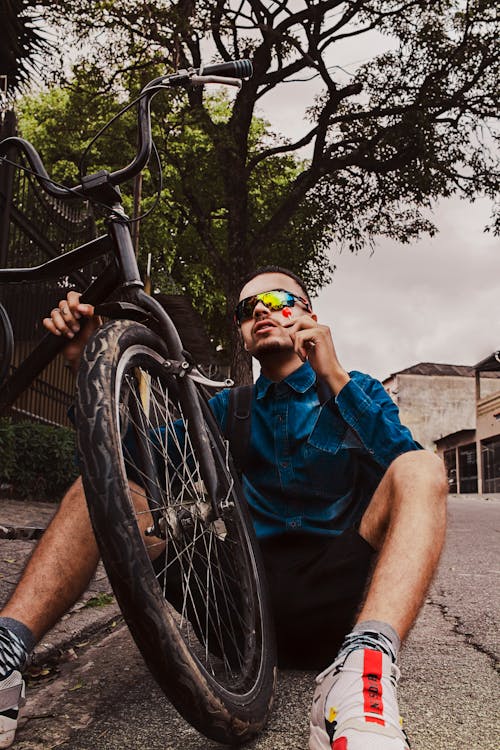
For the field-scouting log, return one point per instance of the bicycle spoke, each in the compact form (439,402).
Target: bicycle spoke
(208,610)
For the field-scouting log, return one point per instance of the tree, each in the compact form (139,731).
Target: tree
(21,42)
(386,141)
(61,122)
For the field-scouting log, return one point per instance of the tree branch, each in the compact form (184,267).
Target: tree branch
(286,148)
(201,221)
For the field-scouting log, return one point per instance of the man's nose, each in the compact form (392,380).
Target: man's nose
(260,310)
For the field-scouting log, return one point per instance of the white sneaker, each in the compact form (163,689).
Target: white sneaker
(355,705)
(11,699)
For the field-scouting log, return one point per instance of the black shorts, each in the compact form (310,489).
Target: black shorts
(316,587)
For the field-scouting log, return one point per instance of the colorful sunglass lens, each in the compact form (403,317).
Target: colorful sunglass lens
(275,300)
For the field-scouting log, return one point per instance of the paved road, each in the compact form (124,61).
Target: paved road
(106,700)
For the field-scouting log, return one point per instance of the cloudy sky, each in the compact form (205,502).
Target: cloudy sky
(437,300)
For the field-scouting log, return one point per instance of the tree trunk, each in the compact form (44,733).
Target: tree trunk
(241,361)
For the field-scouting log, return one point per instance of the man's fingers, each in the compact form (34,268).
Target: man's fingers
(64,319)
(69,316)
(85,310)
(72,302)
(304,342)
(57,325)
(49,325)
(78,308)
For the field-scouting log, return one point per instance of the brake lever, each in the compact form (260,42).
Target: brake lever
(196,80)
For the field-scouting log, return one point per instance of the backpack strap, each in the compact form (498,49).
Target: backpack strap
(238,424)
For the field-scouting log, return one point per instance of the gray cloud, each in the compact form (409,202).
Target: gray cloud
(436,300)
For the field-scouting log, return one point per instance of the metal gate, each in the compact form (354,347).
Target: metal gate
(33,228)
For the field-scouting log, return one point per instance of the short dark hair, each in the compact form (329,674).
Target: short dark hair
(277,269)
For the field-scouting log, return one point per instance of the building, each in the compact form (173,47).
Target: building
(436,400)
(455,410)
(472,457)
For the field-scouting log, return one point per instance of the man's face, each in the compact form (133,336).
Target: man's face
(266,331)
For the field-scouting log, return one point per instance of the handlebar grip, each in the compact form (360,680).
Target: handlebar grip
(234,69)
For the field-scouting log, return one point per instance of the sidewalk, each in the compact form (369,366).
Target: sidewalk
(94,612)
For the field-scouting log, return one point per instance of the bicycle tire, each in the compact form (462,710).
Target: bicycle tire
(219,672)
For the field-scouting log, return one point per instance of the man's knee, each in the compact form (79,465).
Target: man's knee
(414,483)
(420,469)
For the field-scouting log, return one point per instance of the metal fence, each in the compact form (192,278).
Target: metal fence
(33,228)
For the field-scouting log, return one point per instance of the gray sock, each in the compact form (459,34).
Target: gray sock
(16,643)
(378,626)
(372,634)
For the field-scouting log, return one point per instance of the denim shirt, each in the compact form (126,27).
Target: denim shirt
(313,468)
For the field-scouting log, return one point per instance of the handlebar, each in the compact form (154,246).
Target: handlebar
(229,73)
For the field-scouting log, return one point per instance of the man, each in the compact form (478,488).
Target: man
(350,515)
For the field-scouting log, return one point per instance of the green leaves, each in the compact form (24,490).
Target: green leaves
(385,140)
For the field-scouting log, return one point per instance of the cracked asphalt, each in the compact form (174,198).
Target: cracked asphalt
(103,697)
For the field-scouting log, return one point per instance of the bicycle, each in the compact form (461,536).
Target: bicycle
(196,606)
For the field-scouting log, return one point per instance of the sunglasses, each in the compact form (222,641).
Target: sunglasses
(277,299)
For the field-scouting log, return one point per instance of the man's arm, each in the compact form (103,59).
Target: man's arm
(314,342)
(370,412)
(362,400)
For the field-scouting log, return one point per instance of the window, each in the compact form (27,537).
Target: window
(467,468)
(450,462)
(490,454)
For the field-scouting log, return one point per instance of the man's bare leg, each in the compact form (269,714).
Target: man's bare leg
(355,704)
(60,568)
(57,574)
(55,577)
(406,523)
(63,563)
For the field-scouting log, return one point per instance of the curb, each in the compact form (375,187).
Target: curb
(59,644)
(22,523)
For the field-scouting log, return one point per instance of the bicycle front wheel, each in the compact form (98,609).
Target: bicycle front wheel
(184,565)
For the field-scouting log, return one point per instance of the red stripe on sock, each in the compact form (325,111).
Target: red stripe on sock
(372,685)
(340,744)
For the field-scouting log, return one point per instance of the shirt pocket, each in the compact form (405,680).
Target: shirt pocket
(331,433)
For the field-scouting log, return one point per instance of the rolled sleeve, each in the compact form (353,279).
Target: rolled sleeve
(371,413)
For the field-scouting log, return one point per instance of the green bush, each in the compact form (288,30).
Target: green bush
(37,459)
(7,453)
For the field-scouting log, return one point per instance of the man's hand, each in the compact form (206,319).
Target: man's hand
(69,319)
(314,342)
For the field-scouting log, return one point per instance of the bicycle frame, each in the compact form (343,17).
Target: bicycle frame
(50,345)
(122,272)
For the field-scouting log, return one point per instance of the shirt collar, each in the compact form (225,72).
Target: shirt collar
(299,380)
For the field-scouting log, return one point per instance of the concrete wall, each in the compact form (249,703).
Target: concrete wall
(433,406)
(488,424)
